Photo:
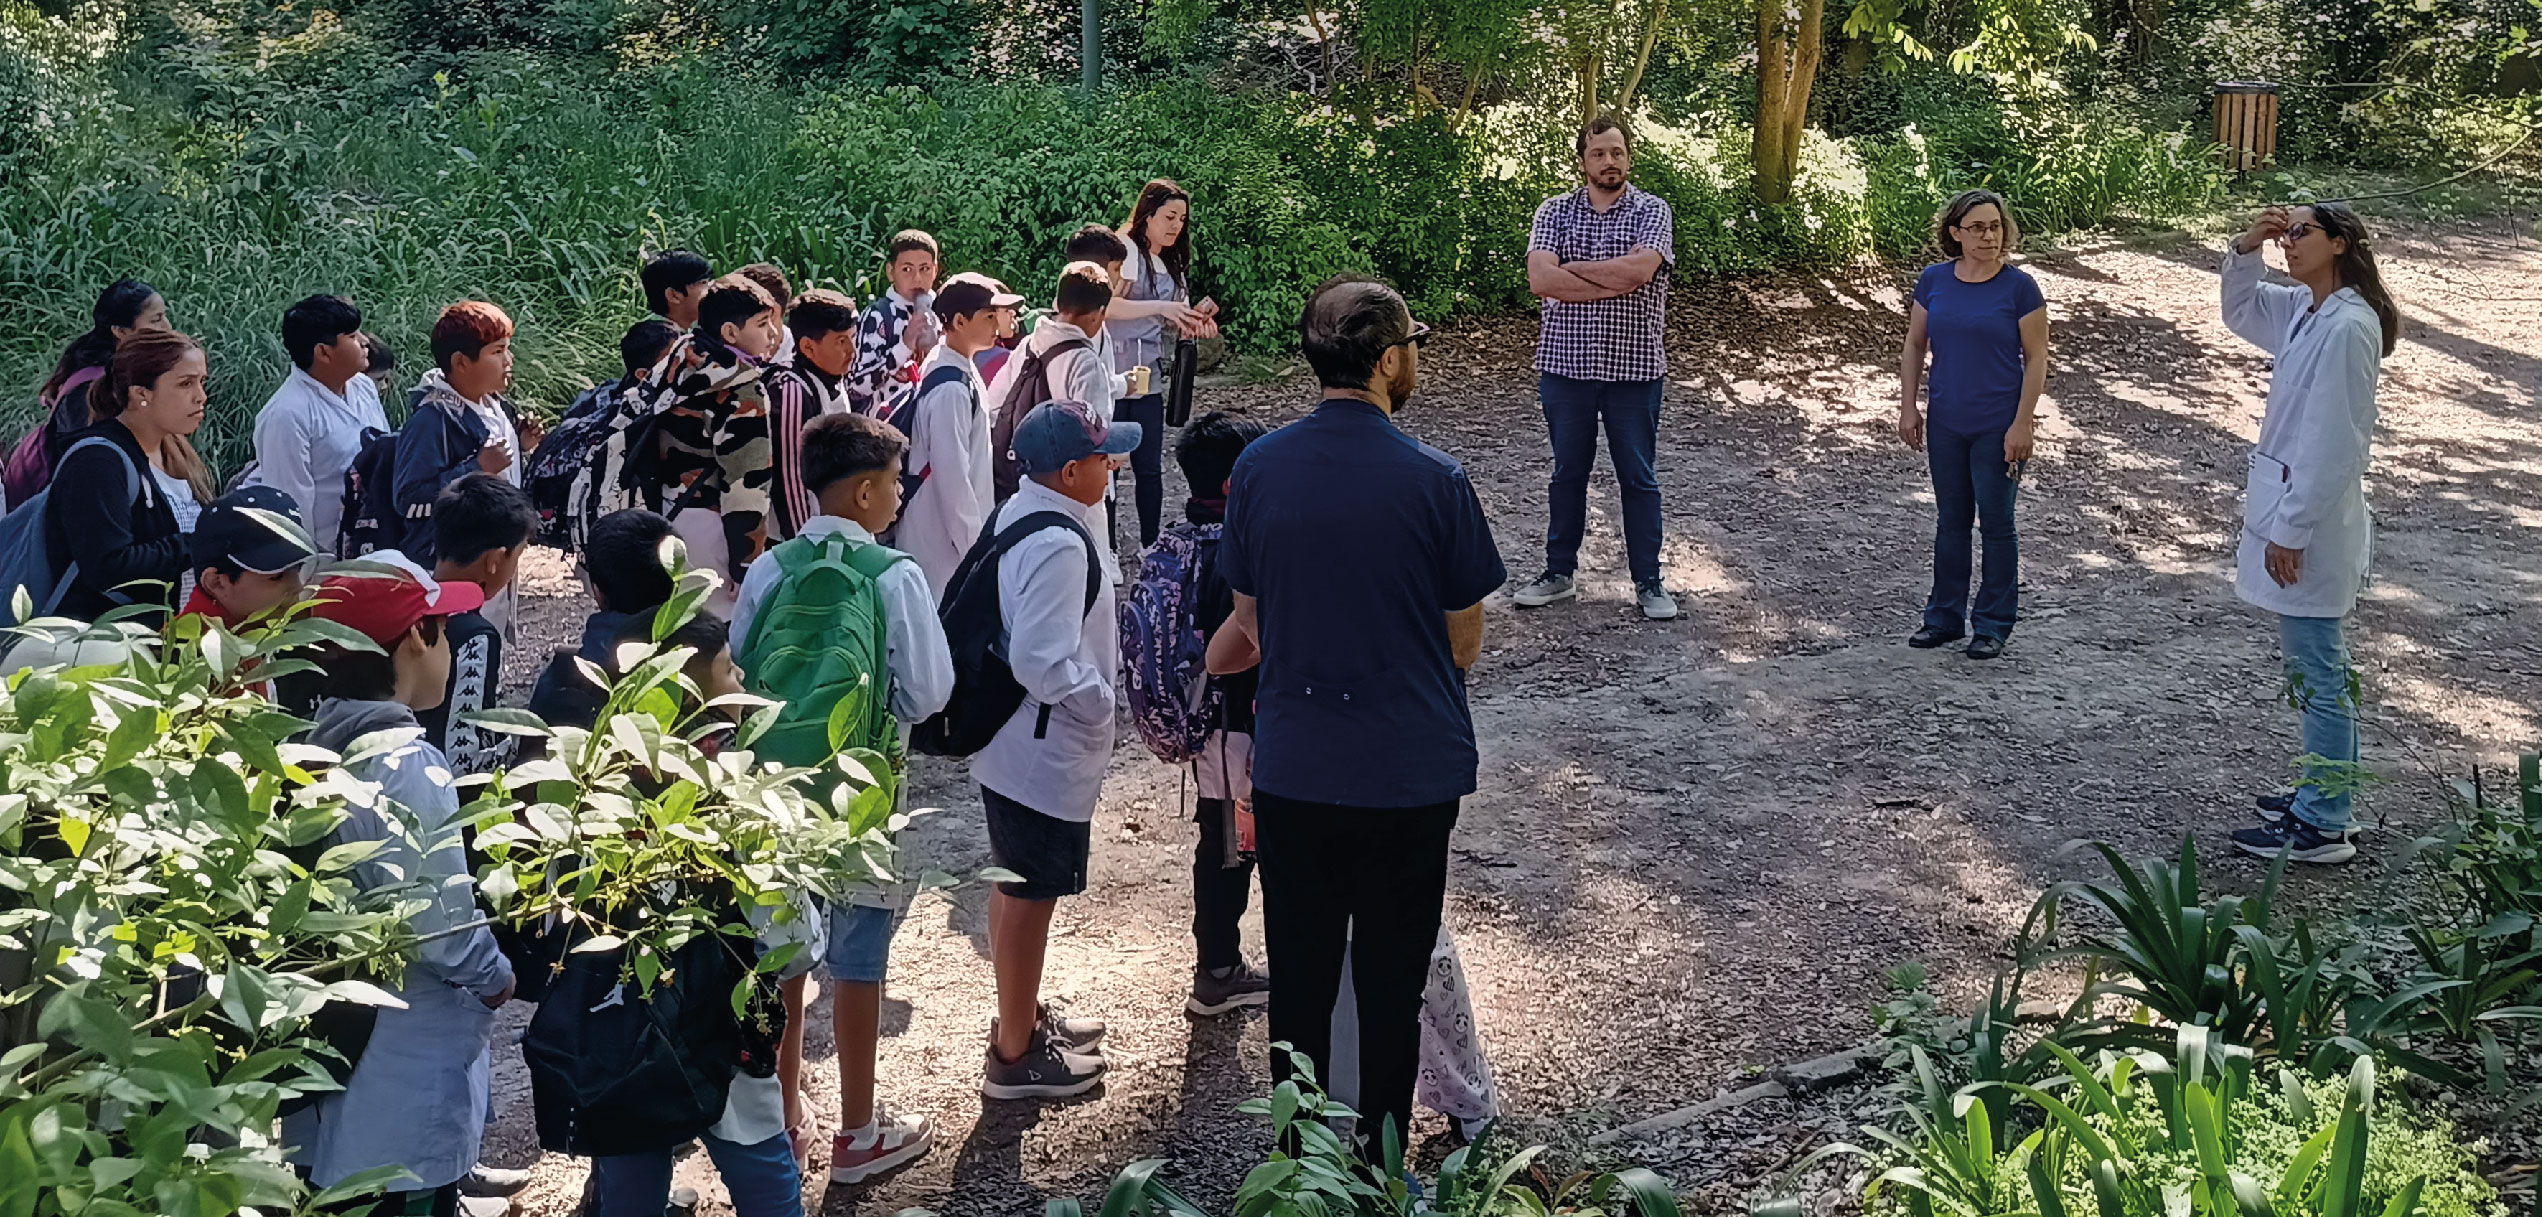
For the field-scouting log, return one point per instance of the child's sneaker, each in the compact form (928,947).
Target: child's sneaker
(1217,990)
(1071,1034)
(2299,841)
(890,1142)
(1045,1071)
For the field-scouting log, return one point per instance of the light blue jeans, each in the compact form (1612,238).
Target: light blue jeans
(2323,687)
(761,1178)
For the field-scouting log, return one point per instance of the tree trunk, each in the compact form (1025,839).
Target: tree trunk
(1789,40)
(1592,65)
(1465,106)
(1323,38)
(1650,38)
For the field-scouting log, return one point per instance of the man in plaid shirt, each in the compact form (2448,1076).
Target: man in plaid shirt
(1600,257)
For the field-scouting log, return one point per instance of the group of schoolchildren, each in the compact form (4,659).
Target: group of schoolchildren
(962,469)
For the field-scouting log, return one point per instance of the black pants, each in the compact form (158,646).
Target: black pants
(1219,892)
(1147,463)
(1372,880)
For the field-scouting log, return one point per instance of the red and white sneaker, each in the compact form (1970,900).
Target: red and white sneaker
(890,1142)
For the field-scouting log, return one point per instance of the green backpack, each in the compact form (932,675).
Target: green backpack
(818,646)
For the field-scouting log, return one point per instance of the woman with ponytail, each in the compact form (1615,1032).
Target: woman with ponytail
(129,487)
(126,306)
(2306,532)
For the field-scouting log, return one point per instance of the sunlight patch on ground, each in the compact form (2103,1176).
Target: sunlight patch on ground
(2477,716)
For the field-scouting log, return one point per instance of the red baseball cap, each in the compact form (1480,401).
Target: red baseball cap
(383,595)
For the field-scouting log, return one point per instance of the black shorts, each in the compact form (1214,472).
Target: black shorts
(1050,853)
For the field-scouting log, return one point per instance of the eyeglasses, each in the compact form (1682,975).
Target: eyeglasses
(1986,229)
(2299,232)
(1419,336)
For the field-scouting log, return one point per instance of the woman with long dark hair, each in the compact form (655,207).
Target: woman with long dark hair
(121,508)
(1986,326)
(1151,307)
(127,305)
(2306,533)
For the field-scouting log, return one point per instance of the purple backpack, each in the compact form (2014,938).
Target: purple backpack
(26,471)
(1171,697)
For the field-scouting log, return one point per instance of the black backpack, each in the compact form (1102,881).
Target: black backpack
(371,521)
(549,473)
(612,1073)
(985,691)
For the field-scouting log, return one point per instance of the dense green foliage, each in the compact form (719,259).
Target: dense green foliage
(2005,1112)
(241,153)
(173,916)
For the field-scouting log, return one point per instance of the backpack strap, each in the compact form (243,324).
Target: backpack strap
(912,479)
(1041,521)
(132,494)
(940,378)
(871,560)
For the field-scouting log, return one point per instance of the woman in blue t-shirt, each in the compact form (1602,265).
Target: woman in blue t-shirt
(1986,326)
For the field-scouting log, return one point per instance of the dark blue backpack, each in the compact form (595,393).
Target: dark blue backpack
(1163,652)
(26,561)
(371,520)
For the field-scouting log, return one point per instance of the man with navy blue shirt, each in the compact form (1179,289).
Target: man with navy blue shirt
(1360,558)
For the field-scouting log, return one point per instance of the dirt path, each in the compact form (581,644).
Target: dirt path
(1697,845)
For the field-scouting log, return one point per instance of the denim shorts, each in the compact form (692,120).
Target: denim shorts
(860,942)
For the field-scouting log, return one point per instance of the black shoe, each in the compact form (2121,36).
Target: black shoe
(1985,646)
(1215,991)
(1928,638)
(2275,807)
(2299,841)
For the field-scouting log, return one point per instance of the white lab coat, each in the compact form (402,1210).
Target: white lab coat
(949,443)
(306,438)
(2305,488)
(1066,656)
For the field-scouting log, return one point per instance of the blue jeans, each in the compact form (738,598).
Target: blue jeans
(761,1178)
(1630,411)
(1972,487)
(2323,687)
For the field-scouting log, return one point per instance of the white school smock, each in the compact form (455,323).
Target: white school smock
(2305,488)
(948,442)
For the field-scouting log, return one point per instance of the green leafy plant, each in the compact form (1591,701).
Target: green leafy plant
(2166,1134)
(2172,951)
(1313,1172)
(657,824)
(170,922)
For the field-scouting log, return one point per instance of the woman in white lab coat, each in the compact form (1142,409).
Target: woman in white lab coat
(2306,533)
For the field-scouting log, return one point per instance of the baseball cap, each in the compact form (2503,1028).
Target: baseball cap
(246,529)
(968,293)
(383,595)
(1059,432)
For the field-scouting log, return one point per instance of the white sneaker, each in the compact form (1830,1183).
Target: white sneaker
(1547,588)
(483,1180)
(485,1206)
(1657,604)
(888,1143)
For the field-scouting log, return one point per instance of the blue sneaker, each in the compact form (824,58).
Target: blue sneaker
(2297,840)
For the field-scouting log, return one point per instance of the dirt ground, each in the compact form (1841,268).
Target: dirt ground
(1697,845)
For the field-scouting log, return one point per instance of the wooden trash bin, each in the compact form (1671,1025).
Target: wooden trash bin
(2246,123)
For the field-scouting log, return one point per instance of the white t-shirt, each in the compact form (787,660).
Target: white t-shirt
(180,496)
(498,425)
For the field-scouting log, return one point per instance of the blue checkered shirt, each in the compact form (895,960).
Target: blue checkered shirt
(1622,339)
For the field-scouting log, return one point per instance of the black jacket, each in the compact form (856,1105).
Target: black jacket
(93,516)
(439,445)
(476,682)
